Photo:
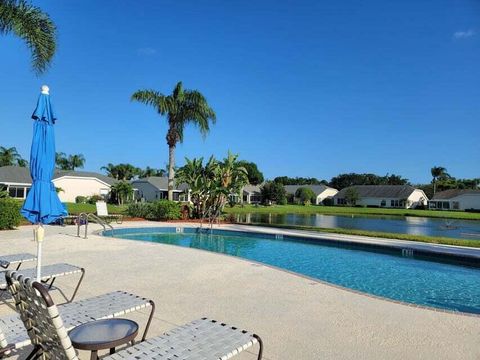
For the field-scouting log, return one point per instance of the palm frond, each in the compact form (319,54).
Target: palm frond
(33,26)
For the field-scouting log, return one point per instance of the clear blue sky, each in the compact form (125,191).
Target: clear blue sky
(302,88)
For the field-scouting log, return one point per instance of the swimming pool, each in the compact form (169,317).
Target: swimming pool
(378,271)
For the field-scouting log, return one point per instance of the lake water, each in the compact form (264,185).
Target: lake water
(463,229)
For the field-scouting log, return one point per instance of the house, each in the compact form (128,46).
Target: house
(389,196)
(322,192)
(17,181)
(251,194)
(156,188)
(456,199)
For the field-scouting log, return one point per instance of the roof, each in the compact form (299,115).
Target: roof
(448,194)
(317,189)
(251,189)
(380,191)
(17,174)
(160,182)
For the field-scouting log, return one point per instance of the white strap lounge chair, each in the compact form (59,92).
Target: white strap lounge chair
(13,335)
(15,259)
(49,274)
(202,339)
(102,212)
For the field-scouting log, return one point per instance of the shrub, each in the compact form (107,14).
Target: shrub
(94,198)
(164,210)
(9,214)
(140,210)
(273,192)
(328,202)
(81,199)
(305,195)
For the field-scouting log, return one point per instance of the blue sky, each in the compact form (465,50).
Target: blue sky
(302,88)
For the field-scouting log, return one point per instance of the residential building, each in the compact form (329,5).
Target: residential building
(322,192)
(456,199)
(252,194)
(389,196)
(17,181)
(156,188)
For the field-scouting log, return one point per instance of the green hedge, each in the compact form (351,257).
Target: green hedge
(9,214)
(158,210)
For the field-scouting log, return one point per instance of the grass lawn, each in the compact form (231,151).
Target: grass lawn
(75,209)
(387,235)
(341,210)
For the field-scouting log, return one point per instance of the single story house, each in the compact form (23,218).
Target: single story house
(389,196)
(322,192)
(156,188)
(251,194)
(456,199)
(17,181)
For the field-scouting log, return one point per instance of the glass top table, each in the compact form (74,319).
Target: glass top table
(103,334)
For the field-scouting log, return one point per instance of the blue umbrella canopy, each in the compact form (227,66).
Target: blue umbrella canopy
(42,205)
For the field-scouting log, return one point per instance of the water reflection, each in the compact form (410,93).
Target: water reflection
(464,229)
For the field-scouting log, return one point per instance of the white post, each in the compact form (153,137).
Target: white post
(39,234)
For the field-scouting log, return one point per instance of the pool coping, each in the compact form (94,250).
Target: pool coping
(315,280)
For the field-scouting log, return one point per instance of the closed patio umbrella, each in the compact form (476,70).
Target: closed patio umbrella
(42,205)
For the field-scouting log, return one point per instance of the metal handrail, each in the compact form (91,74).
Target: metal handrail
(83,220)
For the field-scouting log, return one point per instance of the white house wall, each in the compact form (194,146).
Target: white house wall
(467,201)
(79,186)
(417,197)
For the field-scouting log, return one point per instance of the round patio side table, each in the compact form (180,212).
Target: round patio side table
(103,334)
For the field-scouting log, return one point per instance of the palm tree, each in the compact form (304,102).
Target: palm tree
(437,172)
(9,156)
(121,171)
(32,25)
(181,107)
(76,161)
(61,161)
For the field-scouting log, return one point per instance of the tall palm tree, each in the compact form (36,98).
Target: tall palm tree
(9,156)
(32,25)
(437,172)
(76,161)
(181,107)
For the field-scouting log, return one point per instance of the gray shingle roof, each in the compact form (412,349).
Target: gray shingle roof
(160,182)
(252,189)
(379,191)
(317,189)
(17,174)
(448,194)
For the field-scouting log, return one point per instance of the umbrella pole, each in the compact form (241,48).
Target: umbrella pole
(39,234)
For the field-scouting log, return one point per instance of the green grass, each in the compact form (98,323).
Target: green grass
(408,237)
(75,209)
(341,210)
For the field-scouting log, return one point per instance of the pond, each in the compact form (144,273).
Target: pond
(462,229)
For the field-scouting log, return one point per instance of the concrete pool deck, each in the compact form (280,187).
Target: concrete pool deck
(298,318)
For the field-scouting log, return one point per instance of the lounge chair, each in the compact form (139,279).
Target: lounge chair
(119,303)
(13,259)
(199,339)
(49,274)
(102,212)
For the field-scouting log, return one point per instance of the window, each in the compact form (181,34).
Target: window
(394,203)
(446,205)
(16,192)
(383,203)
(341,201)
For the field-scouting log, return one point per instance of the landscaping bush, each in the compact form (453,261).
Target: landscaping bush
(81,199)
(164,210)
(328,202)
(9,214)
(94,198)
(305,195)
(140,210)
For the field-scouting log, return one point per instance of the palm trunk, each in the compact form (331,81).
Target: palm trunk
(434,186)
(171,171)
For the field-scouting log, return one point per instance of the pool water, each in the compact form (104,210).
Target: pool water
(390,275)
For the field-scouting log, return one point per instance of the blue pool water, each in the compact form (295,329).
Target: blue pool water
(386,273)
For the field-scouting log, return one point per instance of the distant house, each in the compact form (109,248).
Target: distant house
(156,188)
(389,196)
(251,194)
(17,181)
(456,199)
(322,192)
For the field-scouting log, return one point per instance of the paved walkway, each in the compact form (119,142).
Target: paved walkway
(297,317)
